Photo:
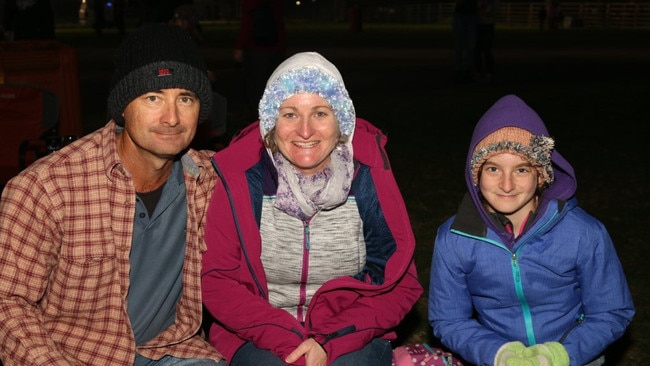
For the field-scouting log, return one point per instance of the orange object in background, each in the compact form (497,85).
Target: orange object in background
(51,65)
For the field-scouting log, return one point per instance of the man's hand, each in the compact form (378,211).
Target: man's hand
(314,354)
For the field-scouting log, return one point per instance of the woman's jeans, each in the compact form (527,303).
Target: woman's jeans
(173,361)
(379,352)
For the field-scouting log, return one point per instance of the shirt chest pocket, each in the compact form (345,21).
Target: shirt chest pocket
(85,279)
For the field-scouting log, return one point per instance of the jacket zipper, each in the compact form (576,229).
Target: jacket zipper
(516,273)
(304,272)
(581,318)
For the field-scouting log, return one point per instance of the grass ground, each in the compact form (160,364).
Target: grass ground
(588,85)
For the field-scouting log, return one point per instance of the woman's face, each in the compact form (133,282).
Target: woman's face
(306,132)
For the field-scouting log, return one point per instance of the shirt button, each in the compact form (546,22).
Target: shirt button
(142,215)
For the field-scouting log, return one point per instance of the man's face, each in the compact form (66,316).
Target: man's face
(161,123)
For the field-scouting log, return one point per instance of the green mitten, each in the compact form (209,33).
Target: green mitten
(509,351)
(549,353)
(545,354)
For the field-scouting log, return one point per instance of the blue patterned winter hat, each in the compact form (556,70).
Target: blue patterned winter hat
(306,72)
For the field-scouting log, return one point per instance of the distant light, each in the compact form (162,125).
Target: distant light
(298,3)
(109,4)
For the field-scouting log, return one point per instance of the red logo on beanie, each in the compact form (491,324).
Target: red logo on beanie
(164,71)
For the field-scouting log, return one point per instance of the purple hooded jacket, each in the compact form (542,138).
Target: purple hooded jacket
(510,110)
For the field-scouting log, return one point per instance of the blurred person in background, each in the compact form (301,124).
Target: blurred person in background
(487,17)
(28,20)
(260,46)
(464,23)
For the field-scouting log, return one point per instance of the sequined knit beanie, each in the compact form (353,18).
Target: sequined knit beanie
(535,149)
(306,72)
(155,57)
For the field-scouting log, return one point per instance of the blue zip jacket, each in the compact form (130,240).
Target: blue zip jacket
(560,281)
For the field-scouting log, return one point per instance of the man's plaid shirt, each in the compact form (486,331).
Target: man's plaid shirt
(65,235)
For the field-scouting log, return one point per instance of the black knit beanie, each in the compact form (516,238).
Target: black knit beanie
(155,57)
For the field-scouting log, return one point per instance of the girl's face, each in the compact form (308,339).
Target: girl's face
(306,132)
(509,183)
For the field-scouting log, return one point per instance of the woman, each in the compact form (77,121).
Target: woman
(310,249)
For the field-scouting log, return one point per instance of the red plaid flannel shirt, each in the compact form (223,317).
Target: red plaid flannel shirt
(65,235)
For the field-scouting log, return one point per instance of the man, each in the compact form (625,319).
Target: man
(101,241)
